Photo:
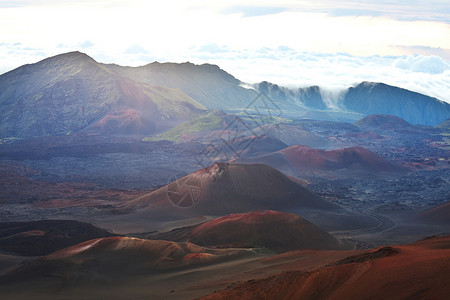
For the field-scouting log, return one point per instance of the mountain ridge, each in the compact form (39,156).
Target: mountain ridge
(72,91)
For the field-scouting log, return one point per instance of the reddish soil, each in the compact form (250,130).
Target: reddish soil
(129,255)
(354,158)
(122,121)
(274,230)
(439,214)
(225,188)
(415,271)
(384,122)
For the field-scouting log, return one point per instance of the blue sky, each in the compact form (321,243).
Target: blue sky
(295,43)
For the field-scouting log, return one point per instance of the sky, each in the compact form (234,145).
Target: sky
(333,44)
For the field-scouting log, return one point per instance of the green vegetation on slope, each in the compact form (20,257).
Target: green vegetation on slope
(211,120)
(172,102)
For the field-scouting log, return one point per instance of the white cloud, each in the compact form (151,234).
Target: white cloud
(86,44)
(136,49)
(429,75)
(424,64)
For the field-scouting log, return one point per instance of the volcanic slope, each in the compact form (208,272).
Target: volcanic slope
(274,230)
(225,188)
(96,264)
(43,237)
(414,271)
(72,92)
(347,160)
(379,122)
(439,214)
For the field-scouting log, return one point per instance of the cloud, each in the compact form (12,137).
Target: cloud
(254,11)
(424,64)
(341,12)
(212,48)
(8,4)
(335,72)
(86,44)
(425,50)
(414,10)
(25,3)
(136,49)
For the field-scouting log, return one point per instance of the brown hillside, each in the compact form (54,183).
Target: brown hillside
(225,188)
(415,271)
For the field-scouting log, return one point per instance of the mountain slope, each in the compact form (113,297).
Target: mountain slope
(378,98)
(347,160)
(71,92)
(444,125)
(383,122)
(200,127)
(277,231)
(228,188)
(415,271)
(55,96)
(355,157)
(308,97)
(438,215)
(208,84)
(103,261)
(43,237)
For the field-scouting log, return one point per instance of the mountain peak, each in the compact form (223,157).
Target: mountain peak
(76,54)
(70,57)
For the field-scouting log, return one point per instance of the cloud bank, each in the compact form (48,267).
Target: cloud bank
(429,75)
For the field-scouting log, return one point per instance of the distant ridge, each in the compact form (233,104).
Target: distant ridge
(72,92)
(366,98)
(378,98)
